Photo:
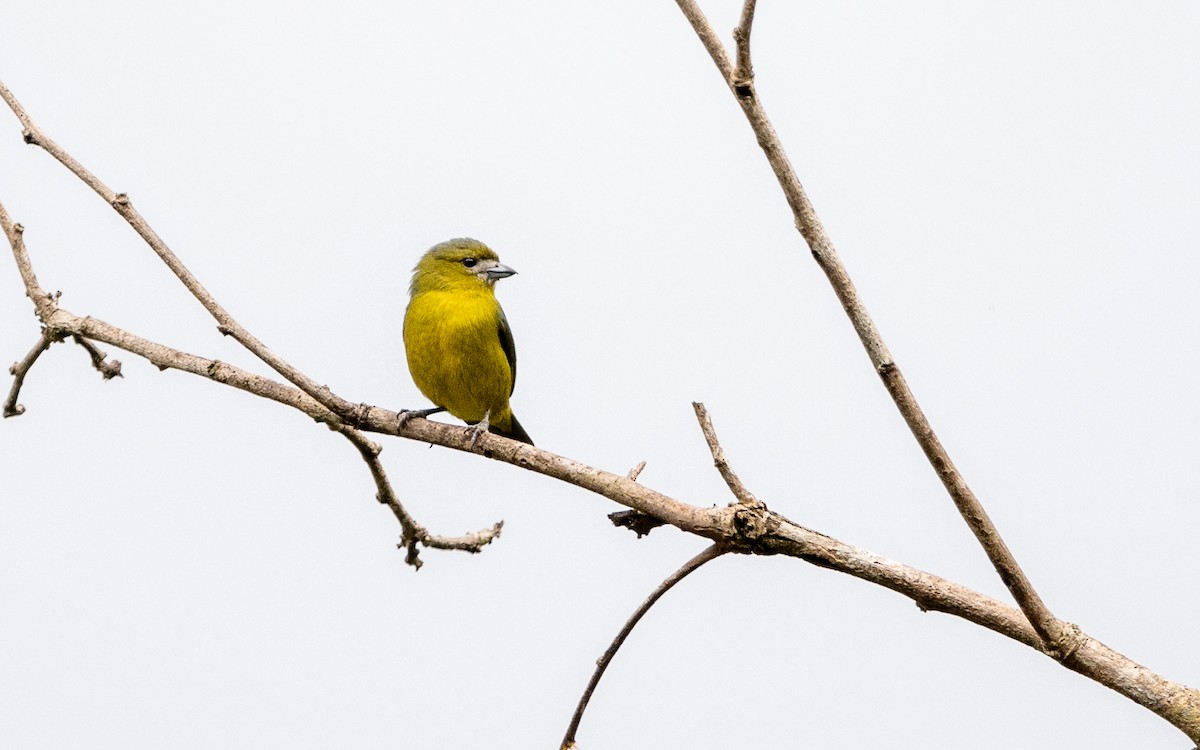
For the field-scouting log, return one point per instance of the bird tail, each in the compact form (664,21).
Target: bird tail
(514,431)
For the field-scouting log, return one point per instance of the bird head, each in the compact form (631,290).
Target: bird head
(458,263)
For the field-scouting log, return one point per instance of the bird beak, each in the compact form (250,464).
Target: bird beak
(499,271)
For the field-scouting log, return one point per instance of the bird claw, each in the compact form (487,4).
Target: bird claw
(479,428)
(404,415)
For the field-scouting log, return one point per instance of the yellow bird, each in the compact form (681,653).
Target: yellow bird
(459,346)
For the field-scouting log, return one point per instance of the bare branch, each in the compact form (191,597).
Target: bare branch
(108,369)
(225,322)
(1053,632)
(20,369)
(412,532)
(735,485)
(743,75)
(636,471)
(602,663)
(44,304)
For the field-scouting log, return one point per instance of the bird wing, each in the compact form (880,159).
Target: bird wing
(510,348)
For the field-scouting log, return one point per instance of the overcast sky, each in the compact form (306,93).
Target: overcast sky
(1013,187)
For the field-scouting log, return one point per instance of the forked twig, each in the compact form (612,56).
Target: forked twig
(1055,636)
(412,533)
(602,663)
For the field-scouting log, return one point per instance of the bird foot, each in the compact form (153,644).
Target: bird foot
(407,414)
(479,428)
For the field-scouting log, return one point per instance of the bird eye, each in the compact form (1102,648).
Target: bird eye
(469,262)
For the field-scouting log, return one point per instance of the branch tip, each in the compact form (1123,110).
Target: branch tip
(636,471)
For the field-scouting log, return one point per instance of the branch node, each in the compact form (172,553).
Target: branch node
(752,522)
(360,415)
(1070,639)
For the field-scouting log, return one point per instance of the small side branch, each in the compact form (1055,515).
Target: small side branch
(743,74)
(108,369)
(602,663)
(20,369)
(412,533)
(735,485)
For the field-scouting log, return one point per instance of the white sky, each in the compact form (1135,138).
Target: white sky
(1014,188)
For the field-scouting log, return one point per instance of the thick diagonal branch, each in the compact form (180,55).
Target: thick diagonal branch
(1047,626)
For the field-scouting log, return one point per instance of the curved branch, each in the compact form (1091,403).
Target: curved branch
(710,553)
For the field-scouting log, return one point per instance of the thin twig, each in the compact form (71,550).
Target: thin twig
(19,369)
(636,471)
(1054,634)
(602,663)
(44,304)
(412,533)
(743,75)
(107,369)
(735,485)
